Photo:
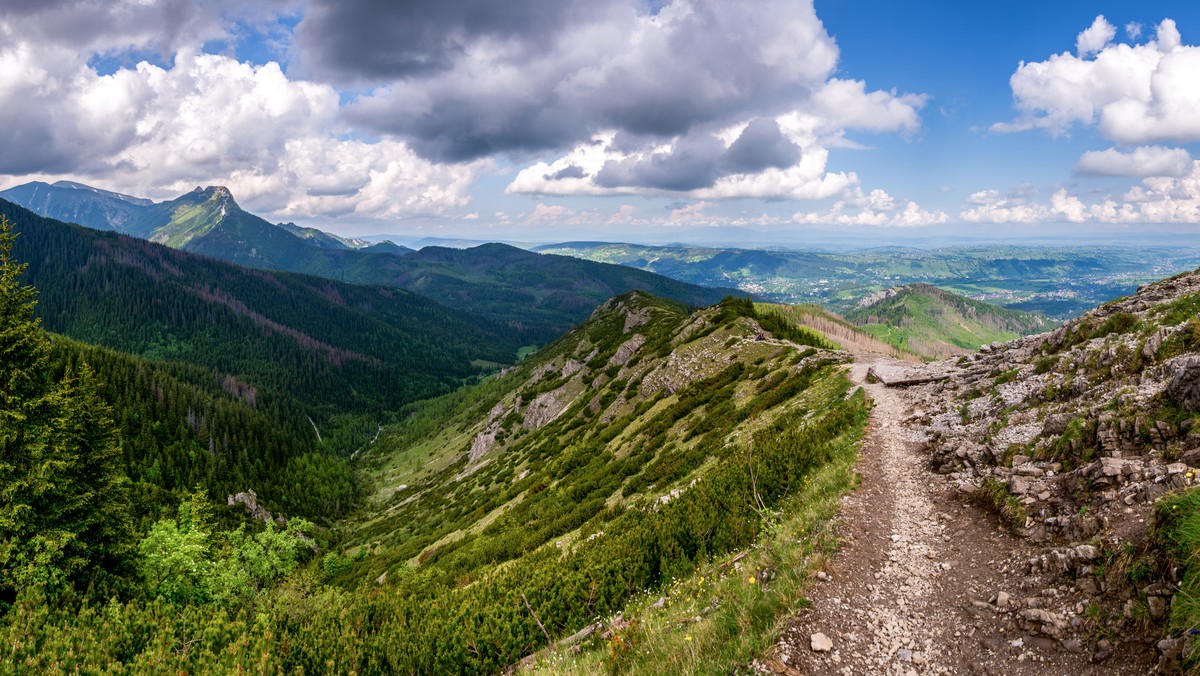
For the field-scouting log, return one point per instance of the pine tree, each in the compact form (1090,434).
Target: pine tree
(63,498)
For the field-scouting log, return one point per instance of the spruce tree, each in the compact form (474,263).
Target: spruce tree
(63,498)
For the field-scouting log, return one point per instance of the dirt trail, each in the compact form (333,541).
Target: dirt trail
(916,585)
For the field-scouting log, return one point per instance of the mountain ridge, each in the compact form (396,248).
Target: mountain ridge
(349,348)
(542,295)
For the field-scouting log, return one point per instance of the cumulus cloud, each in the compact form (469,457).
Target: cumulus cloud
(876,208)
(1133,94)
(761,159)
(768,158)
(1141,161)
(674,77)
(208,118)
(1096,37)
(699,99)
(104,26)
(1158,199)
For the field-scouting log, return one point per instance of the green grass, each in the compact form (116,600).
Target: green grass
(1176,535)
(994,496)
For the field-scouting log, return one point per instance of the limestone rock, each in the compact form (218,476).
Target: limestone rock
(1183,380)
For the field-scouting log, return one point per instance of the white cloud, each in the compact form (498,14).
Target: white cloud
(1141,161)
(549,214)
(846,104)
(1096,37)
(209,119)
(1158,199)
(876,208)
(1134,30)
(840,105)
(1132,93)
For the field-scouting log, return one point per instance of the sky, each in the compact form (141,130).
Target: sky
(630,120)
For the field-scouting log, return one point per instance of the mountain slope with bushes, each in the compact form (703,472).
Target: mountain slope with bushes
(930,322)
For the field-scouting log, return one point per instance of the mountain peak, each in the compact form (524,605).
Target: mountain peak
(213,192)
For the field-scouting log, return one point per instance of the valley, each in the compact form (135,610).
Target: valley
(1057,281)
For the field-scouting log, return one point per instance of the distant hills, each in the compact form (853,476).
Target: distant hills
(1058,281)
(541,296)
(930,322)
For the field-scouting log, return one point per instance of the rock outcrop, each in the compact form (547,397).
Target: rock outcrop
(1073,436)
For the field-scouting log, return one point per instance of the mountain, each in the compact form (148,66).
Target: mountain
(327,240)
(648,447)
(612,461)
(930,322)
(540,296)
(78,203)
(329,348)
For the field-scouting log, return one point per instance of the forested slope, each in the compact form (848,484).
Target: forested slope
(538,296)
(302,345)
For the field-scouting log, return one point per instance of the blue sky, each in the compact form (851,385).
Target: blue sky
(620,119)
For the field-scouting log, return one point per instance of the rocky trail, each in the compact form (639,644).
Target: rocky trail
(927,582)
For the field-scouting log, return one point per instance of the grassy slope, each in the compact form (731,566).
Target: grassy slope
(933,323)
(625,445)
(835,328)
(741,600)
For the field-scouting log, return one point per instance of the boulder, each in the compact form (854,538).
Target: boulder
(1183,381)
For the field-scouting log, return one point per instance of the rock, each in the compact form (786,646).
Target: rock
(1183,380)
(1157,606)
(1072,645)
(1020,485)
(1003,599)
(1111,466)
(627,349)
(249,500)
(821,643)
(546,407)
(1056,424)
(382,578)
(1087,553)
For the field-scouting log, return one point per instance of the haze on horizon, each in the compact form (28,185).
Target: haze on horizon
(622,119)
